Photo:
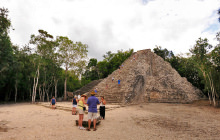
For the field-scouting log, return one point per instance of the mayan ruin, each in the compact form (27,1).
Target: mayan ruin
(146,77)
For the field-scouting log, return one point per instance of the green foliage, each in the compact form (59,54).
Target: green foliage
(45,44)
(91,72)
(115,60)
(206,60)
(6,55)
(164,53)
(18,66)
(200,50)
(103,68)
(186,68)
(92,63)
(73,81)
(5,23)
(72,56)
(215,54)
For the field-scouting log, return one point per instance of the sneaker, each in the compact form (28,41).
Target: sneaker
(82,128)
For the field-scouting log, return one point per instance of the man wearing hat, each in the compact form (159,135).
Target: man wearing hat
(92,102)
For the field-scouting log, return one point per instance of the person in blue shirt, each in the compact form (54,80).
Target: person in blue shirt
(53,102)
(119,81)
(74,103)
(96,91)
(92,102)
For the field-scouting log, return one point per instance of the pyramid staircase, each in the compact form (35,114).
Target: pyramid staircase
(113,93)
(87,88)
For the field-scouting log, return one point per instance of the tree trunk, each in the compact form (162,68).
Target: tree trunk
(40,93)
(16,92)
(33,97)
(43,92)
(65,83)
(55,82)
(30,93)
(65,88)
(212,89)
(9,95)
(206,81)
(210,101)
(35,85)
(51,93)
(218,102)
(47,96)
(47,92)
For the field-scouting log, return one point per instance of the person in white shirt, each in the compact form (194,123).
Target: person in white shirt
(102,107)
(79,96)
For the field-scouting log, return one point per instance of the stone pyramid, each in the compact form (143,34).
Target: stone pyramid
(146,77)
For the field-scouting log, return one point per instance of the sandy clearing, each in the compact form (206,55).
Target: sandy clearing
(148,121)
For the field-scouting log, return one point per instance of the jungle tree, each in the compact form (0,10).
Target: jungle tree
(6,54)
(71,55)
(45,48)
(202,58)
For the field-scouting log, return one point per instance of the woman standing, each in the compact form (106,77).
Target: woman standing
(102,107)
(74,102)
(81,103)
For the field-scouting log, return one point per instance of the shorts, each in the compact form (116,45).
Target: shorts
(80,111)
(74,105)
(92,115)
(53,103)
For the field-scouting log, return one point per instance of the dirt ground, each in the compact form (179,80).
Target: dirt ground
(136,122)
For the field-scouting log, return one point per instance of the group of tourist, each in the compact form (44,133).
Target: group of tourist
(119,81)
(79,102)
(92,103)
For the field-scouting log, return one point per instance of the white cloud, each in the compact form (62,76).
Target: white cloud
(117,24)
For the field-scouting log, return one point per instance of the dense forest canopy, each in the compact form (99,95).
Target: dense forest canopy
(55,65)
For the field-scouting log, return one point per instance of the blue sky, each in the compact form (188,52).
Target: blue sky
(212,28)
(111,25)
